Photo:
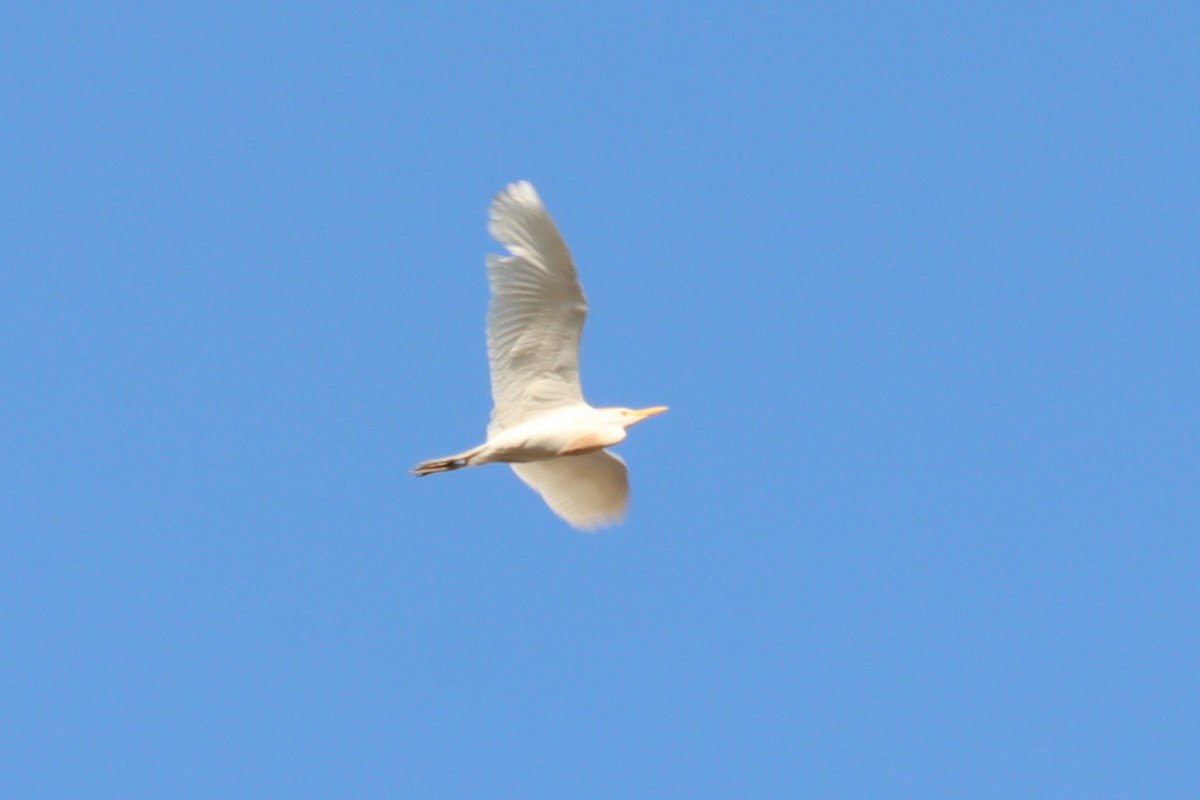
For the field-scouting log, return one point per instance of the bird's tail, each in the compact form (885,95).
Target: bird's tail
(445,464)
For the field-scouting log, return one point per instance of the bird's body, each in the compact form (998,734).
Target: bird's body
(540,424)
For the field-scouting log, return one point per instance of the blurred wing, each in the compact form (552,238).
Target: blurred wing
(588,491)
(537,311)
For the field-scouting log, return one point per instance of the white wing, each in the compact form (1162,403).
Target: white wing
(537,311)
(588,491)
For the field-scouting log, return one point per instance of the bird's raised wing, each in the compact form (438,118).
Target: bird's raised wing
(537,311)
(588,491)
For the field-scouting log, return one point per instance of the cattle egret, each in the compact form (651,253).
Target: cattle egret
(540,424)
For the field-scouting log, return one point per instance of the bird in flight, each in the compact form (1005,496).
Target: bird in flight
(541,425)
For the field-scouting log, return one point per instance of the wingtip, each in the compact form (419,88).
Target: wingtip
(521,191)
(516,216)
(595,525)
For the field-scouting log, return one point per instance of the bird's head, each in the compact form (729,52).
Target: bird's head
(626,417)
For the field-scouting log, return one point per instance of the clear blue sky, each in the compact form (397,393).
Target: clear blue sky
(919,282)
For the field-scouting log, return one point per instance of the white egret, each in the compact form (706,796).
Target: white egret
(540,424)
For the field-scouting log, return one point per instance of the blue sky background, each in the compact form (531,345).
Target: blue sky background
(918,281)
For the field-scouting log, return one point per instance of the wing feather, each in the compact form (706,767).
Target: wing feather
(588,491)
(537,311)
